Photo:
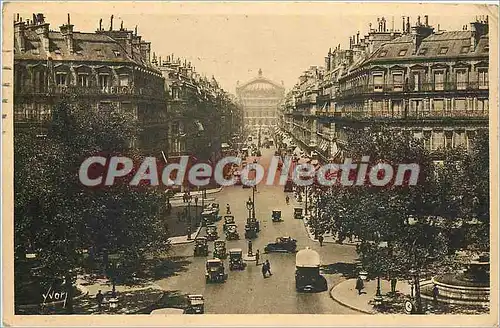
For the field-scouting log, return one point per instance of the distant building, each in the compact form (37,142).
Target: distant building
(260,98)
(434,83)
(110,69)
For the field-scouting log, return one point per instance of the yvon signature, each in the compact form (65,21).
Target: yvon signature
(53,296)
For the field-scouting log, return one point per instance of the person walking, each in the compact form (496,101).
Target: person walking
(287,199)
(99,298)
(264,270)
(359,285)
(228,209)
(320,239)
(268,267)
(257,254)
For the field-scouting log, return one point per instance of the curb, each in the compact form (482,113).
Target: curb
(345,304)
(196,193)
(180,203)
(187,241)
(311,237)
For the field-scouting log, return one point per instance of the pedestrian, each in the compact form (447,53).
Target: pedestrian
(320,239)
(359,285)
(264,270)
(228,209)
(268,267)
(99,298)
(287,199)
(435,293)
(257,254)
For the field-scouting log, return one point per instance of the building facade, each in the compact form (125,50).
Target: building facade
(434,83)
(260,98)
(110,69)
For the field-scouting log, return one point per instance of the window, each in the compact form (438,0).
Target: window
(483,79)
(427,140)
(378,82)
(382,53)
(443,50)
(397,80)
(438,106)
(40,81)
(126,107)
(448,139)
(437,140)
(482,105)
(402,52)
(461,79)
(377,107)
(103,81)
(83,80)
(415,108)
(460,105)
(459,138)
(422,51)
(439,80)
(416,81)
(397,108)
(61,79)
(124,81)
(465,49)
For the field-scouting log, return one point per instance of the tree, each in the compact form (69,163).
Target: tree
(57,217)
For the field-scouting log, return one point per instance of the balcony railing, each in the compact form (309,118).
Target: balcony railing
(91,91)
(409,87)
(441,114)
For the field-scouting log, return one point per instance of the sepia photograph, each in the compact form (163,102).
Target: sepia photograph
(167,161)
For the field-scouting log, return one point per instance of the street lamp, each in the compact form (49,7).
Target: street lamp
(415,275)
(249,207)
(189,218)
(253,201)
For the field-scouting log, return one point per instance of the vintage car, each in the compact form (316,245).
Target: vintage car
(212,232)
(282,244)
(288,186)
(200,246)
(208,216)
(215,271)
(228,219)
(254,222)
(250,232)
(307,272)
(236,259)
(276,216)
(220,249)
(196,304)
(232,232)
(297,213)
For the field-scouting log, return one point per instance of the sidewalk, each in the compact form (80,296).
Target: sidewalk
(130,298)
(180,202)
(346,294)
(327,237)
(197,193)
(179,240)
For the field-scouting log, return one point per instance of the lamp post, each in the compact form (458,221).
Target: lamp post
(253,201)
(414,272)
(249,207)
(305,191)
(196,209)
(316,223)
(189,219)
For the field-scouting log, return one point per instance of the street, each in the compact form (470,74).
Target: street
(247,291)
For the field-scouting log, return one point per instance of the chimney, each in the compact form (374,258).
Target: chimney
(42,30)
(111,23)
(350,42)
(426,20)
(408,24)
(357,38)
(404,25)
(67,33)
(19,36)
(419,33)
(146,51)
(478,29)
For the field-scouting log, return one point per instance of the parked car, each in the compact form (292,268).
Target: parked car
(232,232)
(282,244)
(297,213)
(276,216)
(220,249)
(228,219)
(212,232)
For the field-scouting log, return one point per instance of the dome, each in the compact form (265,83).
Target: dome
(260,86)
(307,258)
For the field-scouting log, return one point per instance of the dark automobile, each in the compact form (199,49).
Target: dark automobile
(282,244)
(276,216)
(236,259)
(297,213)
(232,232)
(200,246)
(196,304)
(220,249)
(228,219)
(212,232)
(214,271)
(208,216)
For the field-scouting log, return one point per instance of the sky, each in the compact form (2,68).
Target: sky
(233,41)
